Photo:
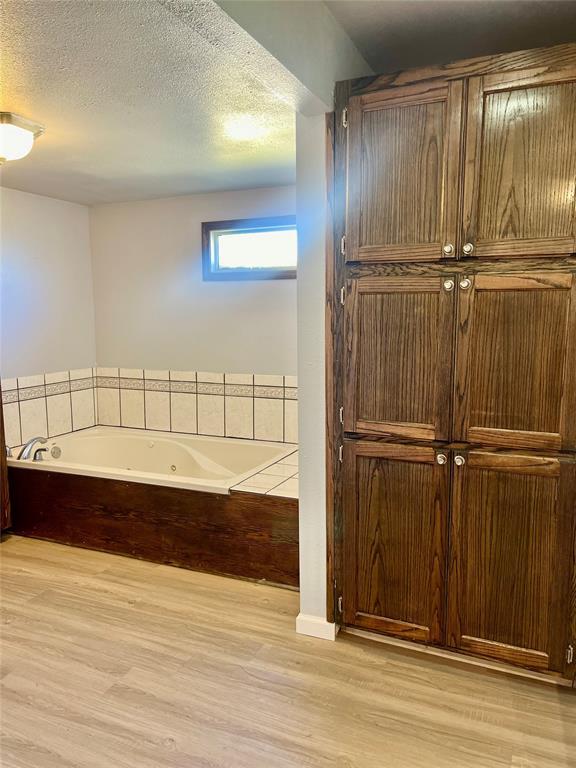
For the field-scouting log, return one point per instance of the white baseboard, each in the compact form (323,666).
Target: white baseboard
(314,626)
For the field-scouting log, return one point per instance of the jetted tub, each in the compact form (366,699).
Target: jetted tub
(194,462)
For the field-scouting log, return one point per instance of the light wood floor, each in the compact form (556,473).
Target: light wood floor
(109,662)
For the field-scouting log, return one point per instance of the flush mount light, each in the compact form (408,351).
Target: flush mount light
(17,136)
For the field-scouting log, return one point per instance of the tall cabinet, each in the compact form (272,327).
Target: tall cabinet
(452,341)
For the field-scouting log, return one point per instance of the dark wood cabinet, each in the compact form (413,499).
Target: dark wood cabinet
(520,171)
(403,171)
(511,560)
(453,391)
(396,512)
(399,356)
(516,360)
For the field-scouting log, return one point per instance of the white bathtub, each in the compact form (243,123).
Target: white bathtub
(213,464)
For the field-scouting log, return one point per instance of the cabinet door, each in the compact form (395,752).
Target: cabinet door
(403,170)
(520,167)
(516,360)
(395,520)
(510,558)
(399,342)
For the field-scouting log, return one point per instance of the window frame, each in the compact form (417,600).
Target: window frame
(211,272)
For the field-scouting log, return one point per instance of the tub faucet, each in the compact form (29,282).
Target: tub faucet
(27,450)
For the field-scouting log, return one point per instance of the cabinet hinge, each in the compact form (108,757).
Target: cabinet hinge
(340,604)
(340,453)
(570,654)
(341,414)
(343,245)
(345,117)
(343,295)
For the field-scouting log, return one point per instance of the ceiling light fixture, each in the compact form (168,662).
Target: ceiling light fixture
(17,136)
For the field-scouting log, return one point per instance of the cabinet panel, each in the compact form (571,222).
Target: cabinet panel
(399,334)
(395,521)
(510,561)
(516,361)
(520,170)
(403,167)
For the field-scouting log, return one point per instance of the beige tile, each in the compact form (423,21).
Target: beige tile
(290,381)
(132,373)
(83,415)
(12,424)
(58,376)
(264,482)
(267,380)
(107,371)
(132,407)
(157,410)
(30,381)
(7,384)
(248,489)
(59,414)
(210,378)
(268,419)
(239,378)
(33,418)
(108,406)
(288,488)
(290,421)
(239,417)
(211,415)
(156,374)
(280,470)
(291,460)
(182,375)
(183,407)
(80,373)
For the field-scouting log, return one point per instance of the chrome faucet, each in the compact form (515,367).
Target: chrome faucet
(28,449)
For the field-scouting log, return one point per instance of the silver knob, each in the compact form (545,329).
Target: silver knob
(467,248)
(459,461)
(465,284)
(448,249)
(448,285)
(441,458)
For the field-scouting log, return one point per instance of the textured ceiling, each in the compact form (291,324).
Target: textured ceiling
(393,34)
(136,98)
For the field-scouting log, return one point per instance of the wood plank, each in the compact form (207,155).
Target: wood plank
(524,657)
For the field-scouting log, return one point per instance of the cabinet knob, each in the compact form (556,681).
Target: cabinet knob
(465,284)
(441,458)
(448,285)
(468,248)
(459,461)
(448,249)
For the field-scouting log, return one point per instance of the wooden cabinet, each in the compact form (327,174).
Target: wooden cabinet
(455,190)
(395,523)
(399,356)
(511,557)
(516,360)
(403,171)
(520,173)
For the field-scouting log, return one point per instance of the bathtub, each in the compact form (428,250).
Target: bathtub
(193,462)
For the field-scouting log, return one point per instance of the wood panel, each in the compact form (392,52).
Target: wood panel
(516,353)
(241,534)
(5,518)
(395,520)
(510,569)
(403,169)
(399,335)
(520,169)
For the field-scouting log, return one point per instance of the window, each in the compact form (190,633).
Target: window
(249,249)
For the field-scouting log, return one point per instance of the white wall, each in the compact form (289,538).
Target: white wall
(46,301)
(154,311)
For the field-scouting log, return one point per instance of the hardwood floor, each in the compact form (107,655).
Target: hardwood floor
(108,662)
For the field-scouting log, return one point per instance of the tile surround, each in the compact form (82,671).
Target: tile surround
(279,479)
(248,406)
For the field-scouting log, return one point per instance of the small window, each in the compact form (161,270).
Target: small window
(249,249)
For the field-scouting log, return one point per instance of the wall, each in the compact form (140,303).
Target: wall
(46,301)
(154,311)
